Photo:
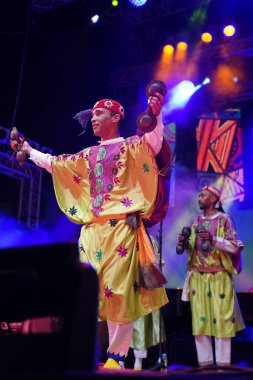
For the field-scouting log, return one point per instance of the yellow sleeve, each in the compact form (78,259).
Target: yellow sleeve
(71,185)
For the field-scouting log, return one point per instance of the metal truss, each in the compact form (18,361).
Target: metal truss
(245,94)
(121,80)
(233,47)
(29,176)
(131,75)
(155,9)
(41,6)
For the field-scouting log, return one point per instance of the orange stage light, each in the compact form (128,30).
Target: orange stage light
(223,80)
(168,49)
(229,30)
(206,37)
(182,46)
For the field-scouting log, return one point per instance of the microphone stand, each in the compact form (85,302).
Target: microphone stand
(162,363)
(162,355)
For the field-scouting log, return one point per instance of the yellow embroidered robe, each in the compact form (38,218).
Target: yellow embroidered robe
(97,188)
(214,305)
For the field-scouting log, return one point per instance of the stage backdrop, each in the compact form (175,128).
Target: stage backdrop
(220,161)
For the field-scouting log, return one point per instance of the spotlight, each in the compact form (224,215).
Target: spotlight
(182,46)
(137,3)
(168,49)
(115,3)
(229,30)
(94,19)
(180,95)
(206,37)
(235,79)
(206,81)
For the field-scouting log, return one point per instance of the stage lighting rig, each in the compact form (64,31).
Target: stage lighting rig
(137,3)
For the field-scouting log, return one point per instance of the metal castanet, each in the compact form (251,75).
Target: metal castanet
(16,145)
(146,121)
(186,232)
(206,246)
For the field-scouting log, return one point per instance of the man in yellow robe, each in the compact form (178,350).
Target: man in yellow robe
(214,256)
(111,189)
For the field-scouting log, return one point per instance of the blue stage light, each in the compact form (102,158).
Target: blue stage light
(94,19)
(137,3)
(181,93)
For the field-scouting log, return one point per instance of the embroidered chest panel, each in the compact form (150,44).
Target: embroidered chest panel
(104,166)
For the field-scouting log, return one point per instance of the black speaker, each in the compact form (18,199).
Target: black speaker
(47,281)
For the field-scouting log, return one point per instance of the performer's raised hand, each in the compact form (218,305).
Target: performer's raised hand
(26,148)
(19,146)
(156,103)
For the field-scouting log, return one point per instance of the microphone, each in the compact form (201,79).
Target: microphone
(186,232)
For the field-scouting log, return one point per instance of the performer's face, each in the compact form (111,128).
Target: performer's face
(206,199)
(103,122)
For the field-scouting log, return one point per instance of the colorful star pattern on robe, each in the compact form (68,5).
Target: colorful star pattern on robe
(127,202)
(145,168)
(108,292)
(202,319)
(136,286)
(233,320)
(120,165)
(122,149)
(99,255)
(194,292)
(72,210)
(116,180)
(122,251)
(209,294)
(107,197)
(222,296)
(77,179)
(214,321)
(113,222)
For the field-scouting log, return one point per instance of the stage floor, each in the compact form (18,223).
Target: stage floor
(175,372)
(180,372)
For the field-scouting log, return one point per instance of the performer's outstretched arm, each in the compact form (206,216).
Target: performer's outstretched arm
(40,159)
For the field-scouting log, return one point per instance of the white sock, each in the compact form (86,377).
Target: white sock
(138,362)
(122,364)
